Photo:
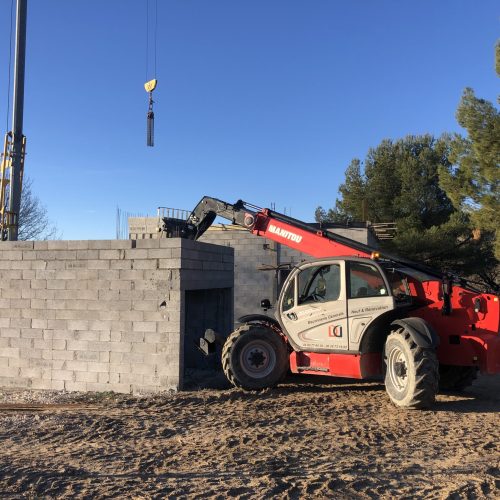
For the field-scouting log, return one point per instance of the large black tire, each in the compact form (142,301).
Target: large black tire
(456,378)
(254,357)
(411,372)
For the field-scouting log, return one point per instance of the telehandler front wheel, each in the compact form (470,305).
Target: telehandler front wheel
(254,357)
(411,372)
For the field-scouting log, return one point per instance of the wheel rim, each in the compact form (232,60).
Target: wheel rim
(397,368)
(258,359)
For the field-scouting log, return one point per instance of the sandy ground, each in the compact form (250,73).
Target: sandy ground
(340,439)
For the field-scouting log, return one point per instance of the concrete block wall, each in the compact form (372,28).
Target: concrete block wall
(252,252)
(101,315)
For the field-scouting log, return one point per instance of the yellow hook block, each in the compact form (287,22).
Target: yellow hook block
(151,85)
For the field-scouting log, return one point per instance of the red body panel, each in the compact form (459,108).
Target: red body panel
(336,365)
(468,337)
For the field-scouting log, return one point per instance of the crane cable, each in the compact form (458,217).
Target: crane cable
(150,85)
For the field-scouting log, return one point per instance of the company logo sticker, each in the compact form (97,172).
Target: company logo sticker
(288,235)
(335,331)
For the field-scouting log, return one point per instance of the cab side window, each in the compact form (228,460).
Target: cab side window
(289,296)
(319,284)
(365,280)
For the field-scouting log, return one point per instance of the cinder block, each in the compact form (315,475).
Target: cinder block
(87,356)
(170,263)
(132,336)
(35,373)
(77,345)
(109,274)
(120,244)
(120,264)
(10,332)
(131,378)
(78,324)
(75,386)
(9,371)
(27,353)
(143,369)
(40,384)
(146,264)
(56,284)
(85,255)
(76,366)
(20,264)
(39,323)
(120,388)
(59,304)
(161,253)
(11,293)
(120,346)
(149,243)
(78,245)
(9,352)
(63,355)
(45,345)
(74,305)
(11,254)
(98,367)
(63,375)
(104,336)
(144,326)
(131,274)
(77,284)
(136,253)
(121,285)
(98,264)
(86,377)
(22,343)
(108,315)
(109,294)
(17,362)
(144,348)
(57,385)
(43,363)
(32,333)
(17,245)
(131,315)
(100,244)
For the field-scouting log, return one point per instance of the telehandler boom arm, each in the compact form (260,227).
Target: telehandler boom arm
(286,230)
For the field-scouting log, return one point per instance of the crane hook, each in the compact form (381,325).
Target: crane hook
(150,86)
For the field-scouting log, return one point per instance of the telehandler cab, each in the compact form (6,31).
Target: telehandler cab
(353,313)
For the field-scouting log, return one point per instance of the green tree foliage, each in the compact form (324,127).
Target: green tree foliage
(472,181)
(400,183)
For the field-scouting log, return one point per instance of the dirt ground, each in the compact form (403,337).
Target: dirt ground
(305,439)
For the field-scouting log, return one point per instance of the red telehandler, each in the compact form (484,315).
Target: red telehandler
(353,313)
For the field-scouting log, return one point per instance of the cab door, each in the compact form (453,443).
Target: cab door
(368,296)
(313,307)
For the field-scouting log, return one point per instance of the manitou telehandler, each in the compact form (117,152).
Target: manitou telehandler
(354,313)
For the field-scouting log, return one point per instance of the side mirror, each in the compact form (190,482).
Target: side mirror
(265,304)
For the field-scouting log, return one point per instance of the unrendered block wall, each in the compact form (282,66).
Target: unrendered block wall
(104,315)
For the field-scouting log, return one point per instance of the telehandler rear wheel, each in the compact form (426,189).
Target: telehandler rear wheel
(412,372)
(254,357)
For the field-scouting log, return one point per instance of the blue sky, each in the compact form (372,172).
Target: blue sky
(264,100)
